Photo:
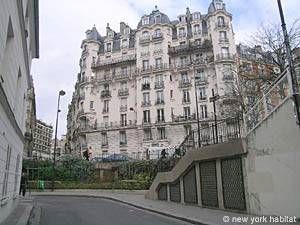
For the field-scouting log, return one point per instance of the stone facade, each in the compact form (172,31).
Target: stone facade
(42,140)
(137,89)
(18,46)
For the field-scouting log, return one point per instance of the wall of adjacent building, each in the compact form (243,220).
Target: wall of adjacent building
(15,59)
(272,165)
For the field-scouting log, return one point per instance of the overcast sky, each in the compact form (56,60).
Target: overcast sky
(63,24)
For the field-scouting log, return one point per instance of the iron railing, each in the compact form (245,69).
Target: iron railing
(272,99)
(215,133)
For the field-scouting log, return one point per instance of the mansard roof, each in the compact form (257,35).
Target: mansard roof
(164,19)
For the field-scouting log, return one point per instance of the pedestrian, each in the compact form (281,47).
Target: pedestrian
(23,184)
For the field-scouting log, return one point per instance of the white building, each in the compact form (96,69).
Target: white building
(136,87)
(19,44)
(42,140)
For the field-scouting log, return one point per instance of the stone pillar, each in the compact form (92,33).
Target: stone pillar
(181,190)
(219,184)
(198,184)
(168,192)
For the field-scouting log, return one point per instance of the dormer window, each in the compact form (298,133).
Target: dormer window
(219,6)
(158,19)
(196,16)
(145,21)
(182,19)
(108,47)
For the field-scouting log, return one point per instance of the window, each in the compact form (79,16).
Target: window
(186,112)
(218,6)
(197,29)
(91,104)
(158,19)
(123,120)
(223,35)
(104,141)
(157,33)
(160,115)
(123,138)
(202,93)
(146,83)
(124,43)
(159,78)
(203,111)
(147,134)
(171,94)
(182,18)
(108,47)
(200,75)
(146,116)
(159,97)
(186,96)
(182,32)
(6,171)
(161,131)
(123,85)
(124,71)
(221,21)
(158,62)
(145,21)
(145,64)
(184,77)
(146,98)
(225,52)
(106,106)
(145,35)
(106,87)
(183,60)
(196,16)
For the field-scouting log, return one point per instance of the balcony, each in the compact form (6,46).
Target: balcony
(225,57)
(117,60)
(121,75)
(123,92)
(157,37)
(159,102)
(201,80)
(105,94)
(190,47)
(224,40)
(182,35)
(123,123)
(146,104)
(145,39)
(160,120)
(123,108)
(197,33)
(228,77)
(160,67)
(145,87)
(222,26)
(159,85)
(104,78)
(105,110)
(186,101)
(185,83)
(183,118)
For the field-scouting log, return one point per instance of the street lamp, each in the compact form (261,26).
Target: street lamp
(61,93)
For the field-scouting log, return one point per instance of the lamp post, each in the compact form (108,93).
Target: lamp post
(213,99)
(295,88)
(61,93)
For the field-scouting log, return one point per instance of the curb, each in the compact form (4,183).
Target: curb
(130,204)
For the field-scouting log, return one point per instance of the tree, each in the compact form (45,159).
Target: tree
(271,40)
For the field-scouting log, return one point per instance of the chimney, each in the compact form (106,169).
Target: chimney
(122,27)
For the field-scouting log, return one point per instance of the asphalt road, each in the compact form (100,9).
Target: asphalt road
(59,210)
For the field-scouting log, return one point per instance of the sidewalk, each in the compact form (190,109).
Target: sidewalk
(192,214)
(21,214)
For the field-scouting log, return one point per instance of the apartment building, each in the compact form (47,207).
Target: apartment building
(42,140)
(19,44)
(141,88)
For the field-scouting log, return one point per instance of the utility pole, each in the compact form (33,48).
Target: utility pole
(213,99)
(295,88)
(61,93)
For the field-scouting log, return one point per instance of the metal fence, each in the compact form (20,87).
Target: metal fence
(272,99)
(215,133)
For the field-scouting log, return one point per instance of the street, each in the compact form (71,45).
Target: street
(61,210)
